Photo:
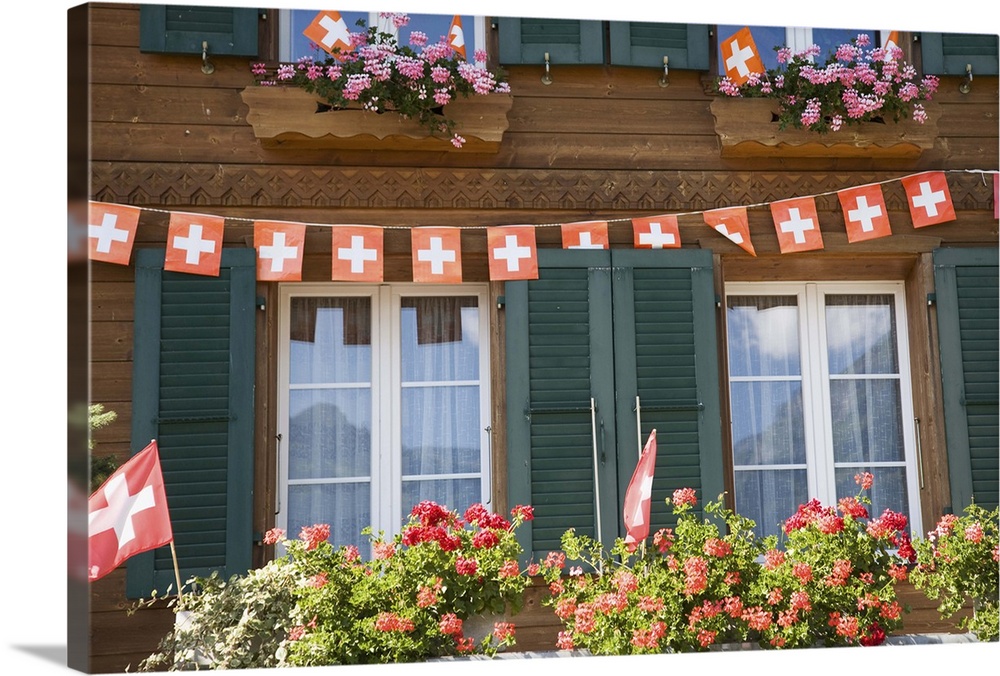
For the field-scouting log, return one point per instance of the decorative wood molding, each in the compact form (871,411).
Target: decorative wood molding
(749,128)
(289,117)
(590,191)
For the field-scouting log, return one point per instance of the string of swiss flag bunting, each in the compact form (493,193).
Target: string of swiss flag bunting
(194,241)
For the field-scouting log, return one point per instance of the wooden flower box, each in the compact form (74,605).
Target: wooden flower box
(289,117)
(749,128)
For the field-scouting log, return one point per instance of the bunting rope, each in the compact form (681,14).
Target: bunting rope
(194,240)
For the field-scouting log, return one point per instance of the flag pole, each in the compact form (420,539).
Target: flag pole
(177,570)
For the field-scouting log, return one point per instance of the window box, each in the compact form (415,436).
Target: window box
(288,117)
(749,128)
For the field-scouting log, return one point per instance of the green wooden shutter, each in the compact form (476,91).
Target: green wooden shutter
(641,43)
(665,354)
(192,391)
(967,308)
(949,53)
(566,41)
(181,29)
(587,328)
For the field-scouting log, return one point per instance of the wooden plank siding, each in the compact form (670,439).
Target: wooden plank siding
(601,142)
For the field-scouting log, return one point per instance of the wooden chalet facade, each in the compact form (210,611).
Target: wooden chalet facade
(633,331)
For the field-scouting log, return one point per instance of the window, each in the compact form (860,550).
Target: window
(819,391)
(292,45)
(798,39)
(384,402)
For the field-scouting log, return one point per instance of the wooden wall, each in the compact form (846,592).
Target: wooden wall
(599,143)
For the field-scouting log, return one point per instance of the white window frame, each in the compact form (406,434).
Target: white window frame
(386,472)
(818,431)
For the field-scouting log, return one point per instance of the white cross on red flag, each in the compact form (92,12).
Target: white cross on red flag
(740,56)
(128,514)
(357,253)
(437,255)
(111,232)
(330,32)
(658,232)
(929,199)
(732,223)
(280,247)
(865,215)
(587,235)
(194,244)
(638,494)
(797,225)
(456,37)
(512,252)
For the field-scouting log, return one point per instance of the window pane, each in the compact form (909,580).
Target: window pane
(767,423)
(861,334)
(769,497)
(346,507)
(329,433)
(828,39)
(866,421)
(888,490)
(439,339)
(330,340)
(436,27)
(763,335)
(455,494)
(440,430)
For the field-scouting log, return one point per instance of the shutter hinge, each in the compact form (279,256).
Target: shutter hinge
(931,298)
(501,302)
(260,302)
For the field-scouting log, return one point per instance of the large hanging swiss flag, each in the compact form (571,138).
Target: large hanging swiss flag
(357,253)
(929,199)
(437,255)
(586,235)
(512,252)
(797,225)
(111,232)
(865,215)
(280,247)
(731,222)
(194,244)
(657,232)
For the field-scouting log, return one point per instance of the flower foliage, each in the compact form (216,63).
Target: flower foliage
(379,74)
(958,563)
(709,581)
(322,605)
(857,83)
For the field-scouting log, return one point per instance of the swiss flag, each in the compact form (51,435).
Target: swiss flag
(797,225)
(456,37)
(280,247)
(733,224)
(111,232)
(512,252)
(638,493)
(865,215)
(437,254)
(194,244)
(329,30)
(658,232)
(357,253)
(929,199)
(740,56)
(890,45)
(588,235)
(128,514)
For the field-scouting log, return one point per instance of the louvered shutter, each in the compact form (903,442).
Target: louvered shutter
(609,326)
(665,354)
(949,53)
(641,43)
(181,29)
(192,391)
(566,41)
(967,301)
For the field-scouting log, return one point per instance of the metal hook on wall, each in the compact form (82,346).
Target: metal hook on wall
(966,85)
(547,76)
(665,78)
(206,66)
